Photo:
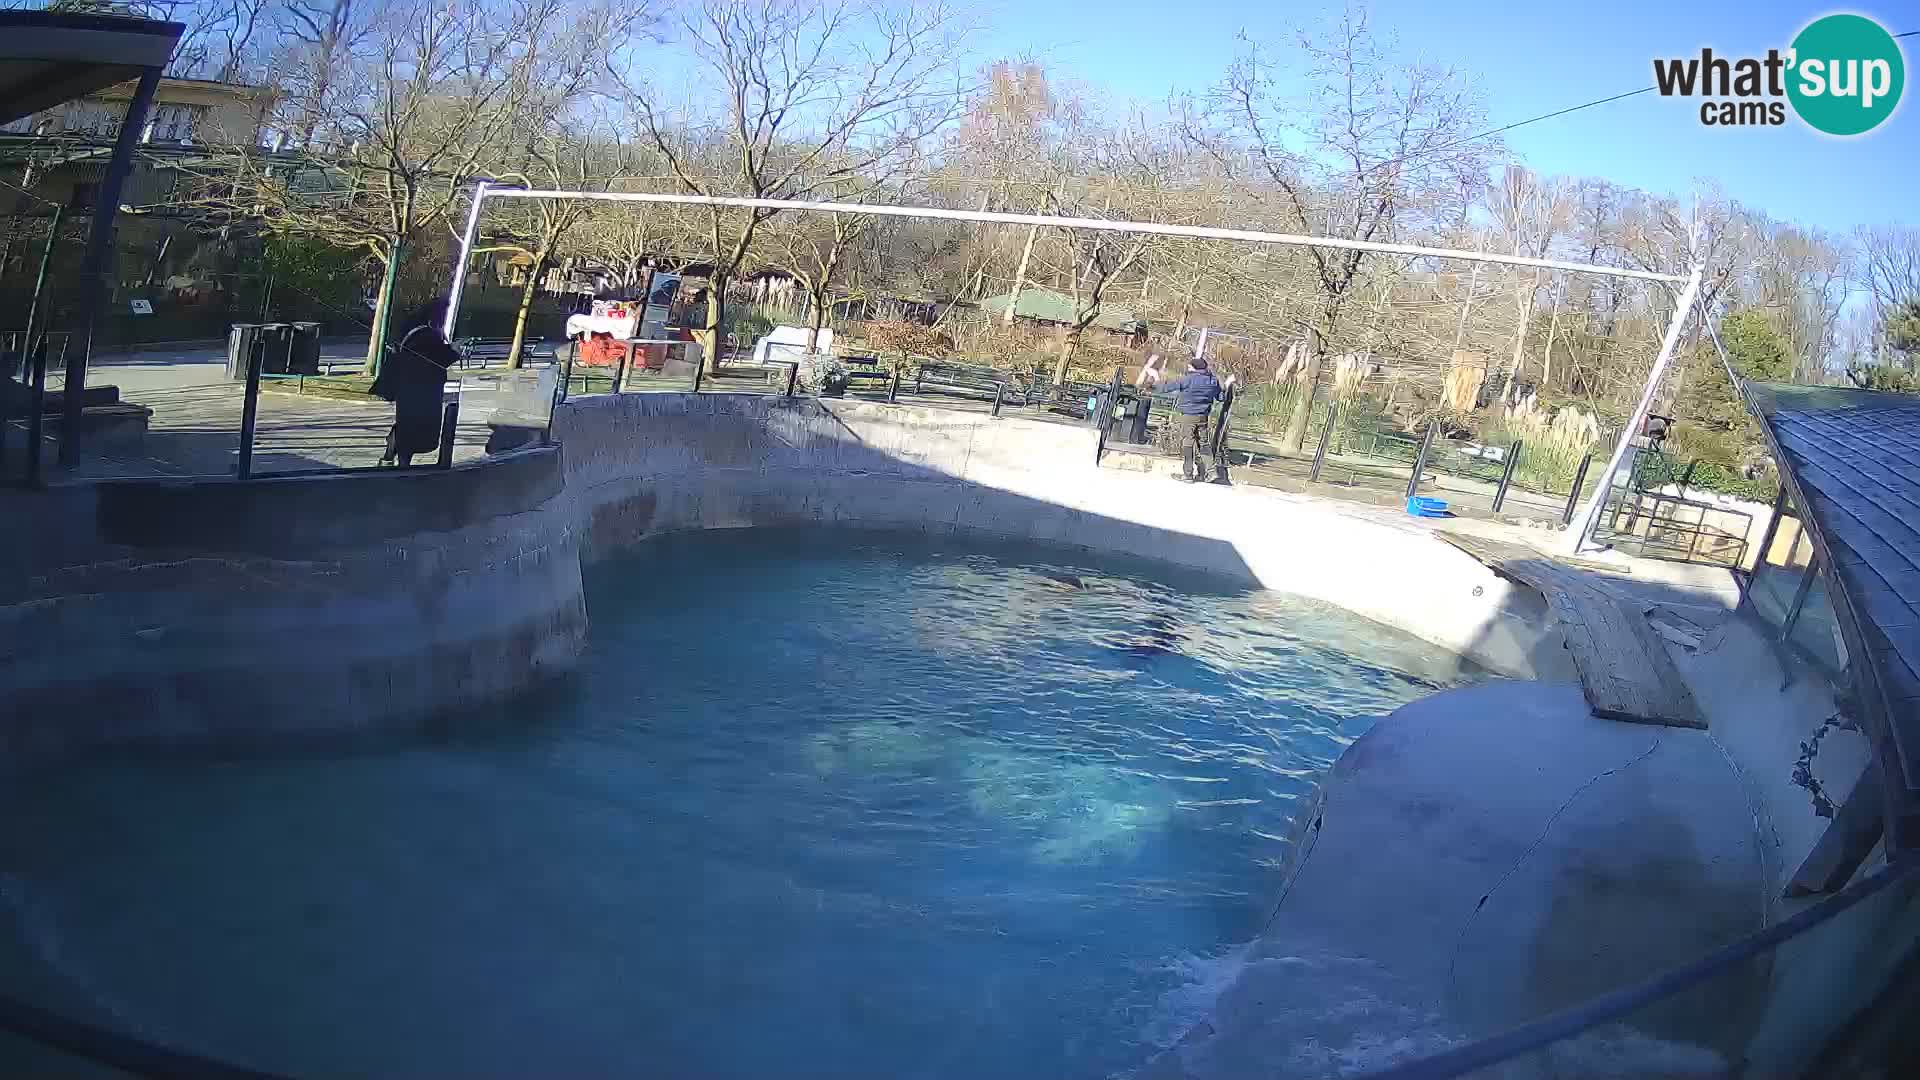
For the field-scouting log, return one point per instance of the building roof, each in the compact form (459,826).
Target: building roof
(1851,460)
(1050,305)
(48,57)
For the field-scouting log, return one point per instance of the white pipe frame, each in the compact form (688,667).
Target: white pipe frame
(1583,523)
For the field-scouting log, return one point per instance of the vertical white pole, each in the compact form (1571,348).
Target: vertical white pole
(1200,350)
(459,282)
(1583,523)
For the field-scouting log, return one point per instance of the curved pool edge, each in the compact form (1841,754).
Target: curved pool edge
(196,609)
(643,465)
(189,611)
(1491,853)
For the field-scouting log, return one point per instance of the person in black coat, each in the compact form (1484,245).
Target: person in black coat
(414,378)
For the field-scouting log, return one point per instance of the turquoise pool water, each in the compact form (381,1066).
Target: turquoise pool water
(818,805)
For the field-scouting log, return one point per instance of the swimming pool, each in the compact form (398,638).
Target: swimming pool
(818,804)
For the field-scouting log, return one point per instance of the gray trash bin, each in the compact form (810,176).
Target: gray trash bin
(1137,405)
(274,337)
(305,358)
(241,341)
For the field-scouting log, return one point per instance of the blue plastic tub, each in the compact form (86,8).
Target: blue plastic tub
(1422,506)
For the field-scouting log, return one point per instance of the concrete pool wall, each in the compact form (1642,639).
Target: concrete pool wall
(147,612)
(199,608)
(645,464)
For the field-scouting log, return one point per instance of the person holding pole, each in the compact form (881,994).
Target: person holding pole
(414,378)
(1194,394)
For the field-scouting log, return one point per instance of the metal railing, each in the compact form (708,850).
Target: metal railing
(1657,526)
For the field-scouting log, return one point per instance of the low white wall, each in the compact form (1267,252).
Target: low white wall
(644,464)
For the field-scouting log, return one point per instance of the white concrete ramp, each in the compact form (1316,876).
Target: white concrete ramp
(1487,856)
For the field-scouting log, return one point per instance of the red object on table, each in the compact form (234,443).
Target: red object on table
(601,350)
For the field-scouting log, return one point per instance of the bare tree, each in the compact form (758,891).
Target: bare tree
(1378,147)
(558,158)
(319,38)
(813,93)
(559,119)
(1889,267)
(1117,173)
(224,39)
(1801,279)
(1530,212)
(1009,149)
(818,251)
(384,148)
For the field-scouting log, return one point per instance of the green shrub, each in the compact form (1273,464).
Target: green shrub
(1551,445)
(1888,377)
(748,323)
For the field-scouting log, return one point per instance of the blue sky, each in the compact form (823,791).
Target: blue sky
(1532,58)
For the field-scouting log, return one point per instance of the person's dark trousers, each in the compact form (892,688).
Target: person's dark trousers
(1190,434)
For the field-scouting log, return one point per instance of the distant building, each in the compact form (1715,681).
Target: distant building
(62,149)
(190,112)
(189,280)
(1053,308)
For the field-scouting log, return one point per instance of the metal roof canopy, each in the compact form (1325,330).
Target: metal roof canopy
(48,57)
(1851,461)
(1689,284)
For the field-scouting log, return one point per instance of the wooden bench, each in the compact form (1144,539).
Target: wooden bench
(866,369)
(481,351)
(968,377)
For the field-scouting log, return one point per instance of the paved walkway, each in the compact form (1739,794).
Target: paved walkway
(195,431)
(195,427)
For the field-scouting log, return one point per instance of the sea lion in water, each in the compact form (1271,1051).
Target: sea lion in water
(1062,580)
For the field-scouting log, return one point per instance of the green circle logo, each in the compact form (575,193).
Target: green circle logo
(1846,74)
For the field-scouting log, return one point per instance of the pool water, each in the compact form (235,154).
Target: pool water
(818,804)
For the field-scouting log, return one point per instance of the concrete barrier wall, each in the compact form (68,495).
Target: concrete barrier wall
(645,464)
(181,610)
(167,611)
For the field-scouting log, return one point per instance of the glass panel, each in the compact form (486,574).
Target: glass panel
(1815,632)
(1777,574)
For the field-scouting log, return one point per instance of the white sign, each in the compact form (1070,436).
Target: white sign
(143,307)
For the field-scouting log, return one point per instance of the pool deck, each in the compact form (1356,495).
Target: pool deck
(1491,854)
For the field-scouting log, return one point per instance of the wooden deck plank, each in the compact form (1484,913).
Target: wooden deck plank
(1625,670)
